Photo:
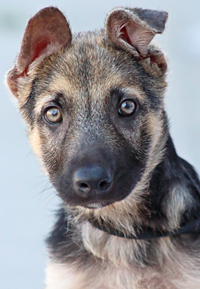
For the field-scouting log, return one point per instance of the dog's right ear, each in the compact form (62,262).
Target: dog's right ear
(47,32)
(133,30)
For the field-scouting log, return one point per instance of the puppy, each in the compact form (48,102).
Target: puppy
(94,106)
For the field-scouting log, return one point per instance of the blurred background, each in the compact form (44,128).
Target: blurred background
(27,203)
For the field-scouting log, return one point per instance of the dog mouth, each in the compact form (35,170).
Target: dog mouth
(99,205)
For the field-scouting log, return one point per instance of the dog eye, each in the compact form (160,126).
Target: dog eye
(127,107)
(53,115)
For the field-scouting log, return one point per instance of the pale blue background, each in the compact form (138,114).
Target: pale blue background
(26,212)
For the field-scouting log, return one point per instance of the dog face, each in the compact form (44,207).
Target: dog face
(94,104)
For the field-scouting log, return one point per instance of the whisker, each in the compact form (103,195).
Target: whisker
(55,196)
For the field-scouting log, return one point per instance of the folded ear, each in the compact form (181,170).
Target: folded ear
(47,32)
(133,29)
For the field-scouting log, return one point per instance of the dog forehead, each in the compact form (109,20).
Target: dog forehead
(91,68)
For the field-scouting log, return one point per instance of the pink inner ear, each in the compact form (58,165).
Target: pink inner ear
(124,35)
(136,36)
(41,45)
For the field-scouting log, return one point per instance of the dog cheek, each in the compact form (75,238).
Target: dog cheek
(35,141)
(45,150)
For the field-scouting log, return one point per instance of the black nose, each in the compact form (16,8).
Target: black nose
(88,180)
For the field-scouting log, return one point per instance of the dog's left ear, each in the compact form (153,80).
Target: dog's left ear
(46,33)
(133,30)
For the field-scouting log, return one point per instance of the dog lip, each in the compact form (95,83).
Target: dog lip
(99,205)
(94,206)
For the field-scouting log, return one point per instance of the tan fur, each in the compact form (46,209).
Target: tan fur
(178,200)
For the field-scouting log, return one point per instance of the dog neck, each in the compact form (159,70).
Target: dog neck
(147,233)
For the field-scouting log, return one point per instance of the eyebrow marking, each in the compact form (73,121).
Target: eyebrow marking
(45,99)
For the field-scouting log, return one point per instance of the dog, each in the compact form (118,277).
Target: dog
(94,106)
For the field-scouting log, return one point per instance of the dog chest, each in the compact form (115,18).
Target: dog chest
(64,276)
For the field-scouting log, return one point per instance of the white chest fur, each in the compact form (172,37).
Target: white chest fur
(64,276)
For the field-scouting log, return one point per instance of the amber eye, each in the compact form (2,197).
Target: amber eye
(127,107)
(53,115)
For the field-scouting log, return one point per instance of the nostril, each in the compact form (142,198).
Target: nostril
(104,185)
(83,188)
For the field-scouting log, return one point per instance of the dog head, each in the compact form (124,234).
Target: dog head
(93,103)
